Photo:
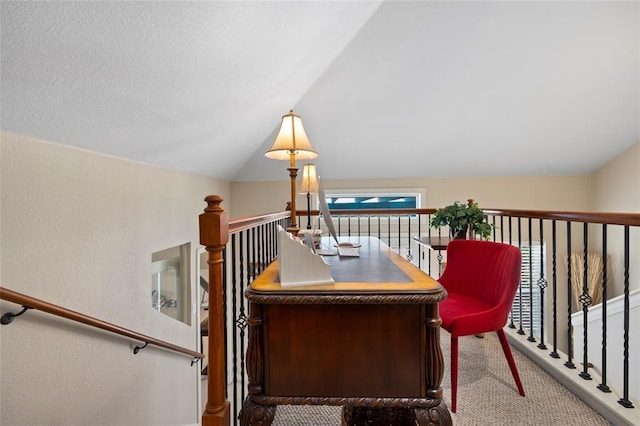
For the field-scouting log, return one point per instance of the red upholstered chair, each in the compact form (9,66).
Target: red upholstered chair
(481,279)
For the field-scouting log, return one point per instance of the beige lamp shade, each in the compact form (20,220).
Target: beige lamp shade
(309,180)
(291,139)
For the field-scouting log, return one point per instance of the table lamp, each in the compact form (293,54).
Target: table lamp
(291,143)
(309,186)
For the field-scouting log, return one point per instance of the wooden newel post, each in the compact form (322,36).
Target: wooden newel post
(214,235)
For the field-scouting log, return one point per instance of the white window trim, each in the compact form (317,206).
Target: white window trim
(421,193)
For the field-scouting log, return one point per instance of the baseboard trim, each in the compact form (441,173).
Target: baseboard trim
(606,404)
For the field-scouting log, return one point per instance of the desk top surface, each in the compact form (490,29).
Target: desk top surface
(378,271)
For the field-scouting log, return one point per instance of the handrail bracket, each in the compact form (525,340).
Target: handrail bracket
(139,348)
(10,316)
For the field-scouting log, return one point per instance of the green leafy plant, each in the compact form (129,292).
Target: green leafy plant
(460,217)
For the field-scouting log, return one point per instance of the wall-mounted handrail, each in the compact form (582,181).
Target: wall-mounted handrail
(50,308)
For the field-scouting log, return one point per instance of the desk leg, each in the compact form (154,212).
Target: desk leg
(433,372)
(435,362)
(253,413)
(436,416)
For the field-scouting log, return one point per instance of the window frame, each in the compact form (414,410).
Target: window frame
(419,193)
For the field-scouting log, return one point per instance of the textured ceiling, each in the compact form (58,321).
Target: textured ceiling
(385,89)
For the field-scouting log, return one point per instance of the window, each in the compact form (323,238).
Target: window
(527,301)
(394,229)
(375,199)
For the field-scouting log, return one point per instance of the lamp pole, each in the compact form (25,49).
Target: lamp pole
(308,210)
(293,173)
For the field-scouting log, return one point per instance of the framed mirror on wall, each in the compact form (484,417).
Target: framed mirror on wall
(171,283)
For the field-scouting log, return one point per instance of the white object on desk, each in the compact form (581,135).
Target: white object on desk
(298,265)
(348,251)
(314,234)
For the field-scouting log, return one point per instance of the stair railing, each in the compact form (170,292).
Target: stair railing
(29,302)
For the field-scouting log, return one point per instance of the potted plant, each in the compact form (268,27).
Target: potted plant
(462,217)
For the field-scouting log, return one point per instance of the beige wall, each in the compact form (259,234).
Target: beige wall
(616,185)
(569,192)
(78,230)
(616,188)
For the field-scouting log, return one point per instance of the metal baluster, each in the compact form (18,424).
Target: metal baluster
(624,401)
(225,313)
(409,255)
(586,300)
(542,284)
(520,329)
(420,255)
(603,386)
(569,363)
(255,262)
(493,222)
(261,255)
(242,322)
(267,242)
(531,338)
(429,236)
(234,299)
(399,235)
(511,314)
(554,276)
(439,256)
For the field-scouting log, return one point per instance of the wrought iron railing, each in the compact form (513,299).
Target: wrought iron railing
(249,251)
(545,306)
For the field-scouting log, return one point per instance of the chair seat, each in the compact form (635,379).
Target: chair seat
(463,315)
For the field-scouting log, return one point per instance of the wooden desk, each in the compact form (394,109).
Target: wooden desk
(370,339)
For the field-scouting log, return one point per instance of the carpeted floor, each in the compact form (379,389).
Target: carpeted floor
(487,394)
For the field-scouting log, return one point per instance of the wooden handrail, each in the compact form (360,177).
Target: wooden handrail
(372,212)
(50,308)
(625,219)
(244,223)
(630,219)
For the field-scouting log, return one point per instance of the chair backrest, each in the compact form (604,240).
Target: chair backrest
(484,270)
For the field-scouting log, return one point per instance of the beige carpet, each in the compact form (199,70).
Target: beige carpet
(487,394)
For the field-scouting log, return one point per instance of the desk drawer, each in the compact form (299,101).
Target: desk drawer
(344,350)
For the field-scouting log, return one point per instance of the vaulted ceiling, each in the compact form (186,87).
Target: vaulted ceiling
(385,89)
